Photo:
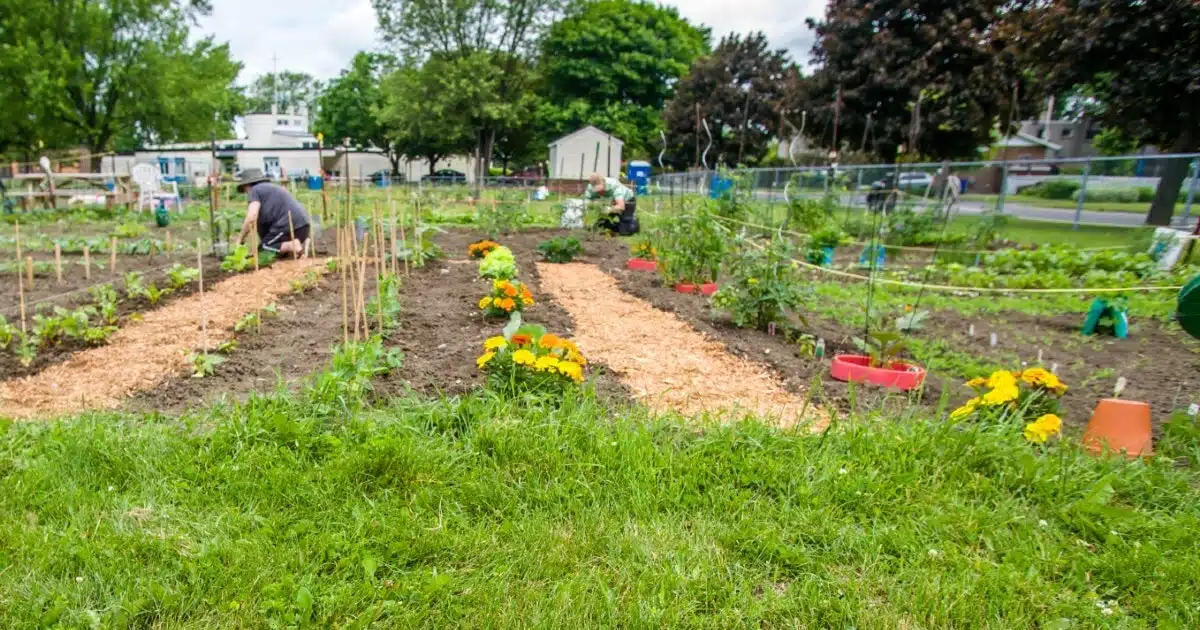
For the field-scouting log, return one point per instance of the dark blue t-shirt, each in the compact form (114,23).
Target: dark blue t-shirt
(275,205)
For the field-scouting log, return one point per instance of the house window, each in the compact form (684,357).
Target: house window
(271,166)
(164,166)
(1041,133)
(1066,132)
(282,122)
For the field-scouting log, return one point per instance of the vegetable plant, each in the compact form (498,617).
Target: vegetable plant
(180,276)
(247,320)
(106,301)
(912,320)
(498,265)
(762,285)
(560,249)
(691,246)
(8,332)
(421,249)
(504,216)
(205,364)
(386,303)
(26,350)
(154,294)
(239,260)
(828,236)
(882,346)
(98,335)
(227,346)
(135,286)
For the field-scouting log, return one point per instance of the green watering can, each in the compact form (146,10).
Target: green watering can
(162,216)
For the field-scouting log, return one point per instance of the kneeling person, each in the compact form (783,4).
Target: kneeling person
(620,218)
(268,214)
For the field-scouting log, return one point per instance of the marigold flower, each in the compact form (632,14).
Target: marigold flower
(1002,394)
(495,343)
(546,363)
(508,304)
(572,370)
(550,341)
(965,410)
(485,302)
(1002,378)
(510,291)
(521,339)
(525,294)
(484,358)
(977,382)
(524,357)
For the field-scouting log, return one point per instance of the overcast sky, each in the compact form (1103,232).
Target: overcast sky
(320,36)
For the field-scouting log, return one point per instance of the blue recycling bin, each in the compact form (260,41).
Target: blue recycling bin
(316,182)
(719,186)
(639,176)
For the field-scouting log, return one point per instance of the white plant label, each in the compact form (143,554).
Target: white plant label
(993,339)
(1121,383)
(971,330)
(1194,410)
(1039,356)
(1054,368)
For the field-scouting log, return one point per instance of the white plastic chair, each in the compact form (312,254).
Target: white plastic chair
(149,181)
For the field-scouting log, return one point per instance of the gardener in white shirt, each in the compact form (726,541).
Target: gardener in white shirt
(619,217)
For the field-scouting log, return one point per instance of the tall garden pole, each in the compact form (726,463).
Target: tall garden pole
(1087,170)
(1187,205)
(321,172)
(212,191)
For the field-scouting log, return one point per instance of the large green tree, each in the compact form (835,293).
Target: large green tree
(928,73)
(740,91)
(287,90)
(1140,60)
(101,72)
(614,64)
(349,106)
(497,38)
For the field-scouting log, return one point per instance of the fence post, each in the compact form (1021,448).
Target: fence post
(1087,170)
(1003,188)
(857,185)
(1187,206)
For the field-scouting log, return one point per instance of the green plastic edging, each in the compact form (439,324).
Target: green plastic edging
(1189,307)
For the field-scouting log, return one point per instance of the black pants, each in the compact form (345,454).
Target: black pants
(274,238)
(625,223)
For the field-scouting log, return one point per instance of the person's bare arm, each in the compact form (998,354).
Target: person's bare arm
(618,205)
(250,222)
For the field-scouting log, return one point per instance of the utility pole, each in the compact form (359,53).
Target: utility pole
(745,123)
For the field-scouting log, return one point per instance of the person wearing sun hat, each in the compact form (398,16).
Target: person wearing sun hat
(620,216)
(281,222)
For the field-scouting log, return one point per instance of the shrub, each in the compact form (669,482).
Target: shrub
(1052,189)
(762,285)
(499,264)
(507,297)
(531,360)
(1109,195)
(560,249)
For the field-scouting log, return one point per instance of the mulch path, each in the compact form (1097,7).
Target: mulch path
(146,353)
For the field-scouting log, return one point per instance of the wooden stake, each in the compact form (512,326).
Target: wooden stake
(167,244)
(395,266)
(200,290)
(341,258)
(20,280)
(403,238)
(29,270)
(112,255)
(58,262)
(87,263)
(379,270)
(291,234)
(151,253)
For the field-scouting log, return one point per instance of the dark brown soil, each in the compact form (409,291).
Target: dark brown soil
(285,350)
(442,330)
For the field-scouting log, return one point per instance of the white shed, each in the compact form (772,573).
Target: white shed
(586,151)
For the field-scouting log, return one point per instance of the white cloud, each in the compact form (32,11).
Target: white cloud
(320,36)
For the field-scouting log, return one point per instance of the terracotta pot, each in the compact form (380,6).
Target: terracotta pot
(708,288)
(1120,425)
(641,264)
(856,368)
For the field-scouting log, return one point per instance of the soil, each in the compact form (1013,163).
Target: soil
(285,350)
(442,329)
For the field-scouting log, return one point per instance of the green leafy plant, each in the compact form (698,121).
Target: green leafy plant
(499,264)
(828,236)
(504,216)
(308,281)
(343,387)
(98,335)
(154,294)
(691,246)
(8,332)
(560,249)
(421,250)
(386,303)
(205,364)
(26,350)
(271,310)
(135,286)
(180,276)
(227,346)
(883,346)
(239,260)
(47,330)
(912,320)
(106,302)
(762,286)
(246,322)
(129,230)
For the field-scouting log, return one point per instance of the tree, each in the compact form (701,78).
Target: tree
(614,64)
(740,91)
(93,73)
(349,106)
(1139,59)
(288,91)
(887,59)
(501,32)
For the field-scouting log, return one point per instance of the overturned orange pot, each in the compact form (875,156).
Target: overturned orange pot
(1120,425)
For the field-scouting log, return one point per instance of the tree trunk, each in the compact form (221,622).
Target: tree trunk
(1169,183)
(394,159)
(433,158)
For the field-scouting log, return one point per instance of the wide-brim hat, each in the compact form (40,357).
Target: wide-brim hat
(251,176)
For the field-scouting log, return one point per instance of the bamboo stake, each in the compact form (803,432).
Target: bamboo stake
(112,256)
(291,234)
(167,243)
(353,236)
(341,258)
(362,286)
(379,273)
(29,270)
(87,263)
(58,262)
(151,252)
(395,266)
(200,290)
(20,280)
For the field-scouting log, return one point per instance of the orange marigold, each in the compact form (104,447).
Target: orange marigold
(521,339)
(510,291)
(550,341)
(508,304)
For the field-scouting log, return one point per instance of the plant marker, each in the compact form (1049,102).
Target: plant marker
(971,330)
(87,263)
(167,243)
(1039,356)
(58,262)
(992,340)
(1193,410)
(1054,368)
(200,290)
(1120,387)
(112,256)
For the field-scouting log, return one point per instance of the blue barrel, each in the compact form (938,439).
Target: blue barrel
(639,176)
(719,186)
(316,182)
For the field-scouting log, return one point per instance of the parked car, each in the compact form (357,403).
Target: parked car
(385,174)
(445,176)
(881,198)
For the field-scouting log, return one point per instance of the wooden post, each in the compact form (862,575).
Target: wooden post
(29,270)
(379,267)
(112,255)
(395,266)
(58,262)
(167,245)
(341,258)
(87,263)
(291,235)
(20,280)
(200,290)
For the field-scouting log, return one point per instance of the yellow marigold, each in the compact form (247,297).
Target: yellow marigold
(967,409)
(495,343)
(1034,433)
(550,341)
(1039,377)
(1001,378)
(572,370)
(508,304)
(528,302)
(576,357)
(498,285)
(1000,395)
(485,302)
(977,382)
(1050,424)
(484,358)
(569,345)
(546,363)
(524,357)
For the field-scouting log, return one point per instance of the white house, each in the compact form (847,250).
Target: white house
(586,151)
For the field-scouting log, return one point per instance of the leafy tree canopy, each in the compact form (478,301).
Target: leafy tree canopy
(290,91)
(348,107)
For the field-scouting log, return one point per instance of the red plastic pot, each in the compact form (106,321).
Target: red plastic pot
(1120,426)
(856,368)
(708,288)
(641,264)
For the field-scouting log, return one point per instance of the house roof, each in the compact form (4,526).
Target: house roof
(588,129)
(1025,140)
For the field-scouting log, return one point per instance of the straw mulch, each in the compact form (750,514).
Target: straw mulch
(667,364)
(144,354)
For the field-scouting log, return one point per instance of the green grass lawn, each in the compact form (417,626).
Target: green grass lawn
(1068,204)
(296,510)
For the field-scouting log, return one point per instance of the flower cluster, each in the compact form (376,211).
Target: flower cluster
(507,296)
(532,359)
(643,250)
(1017,397)
(480,249)
(1044,428)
